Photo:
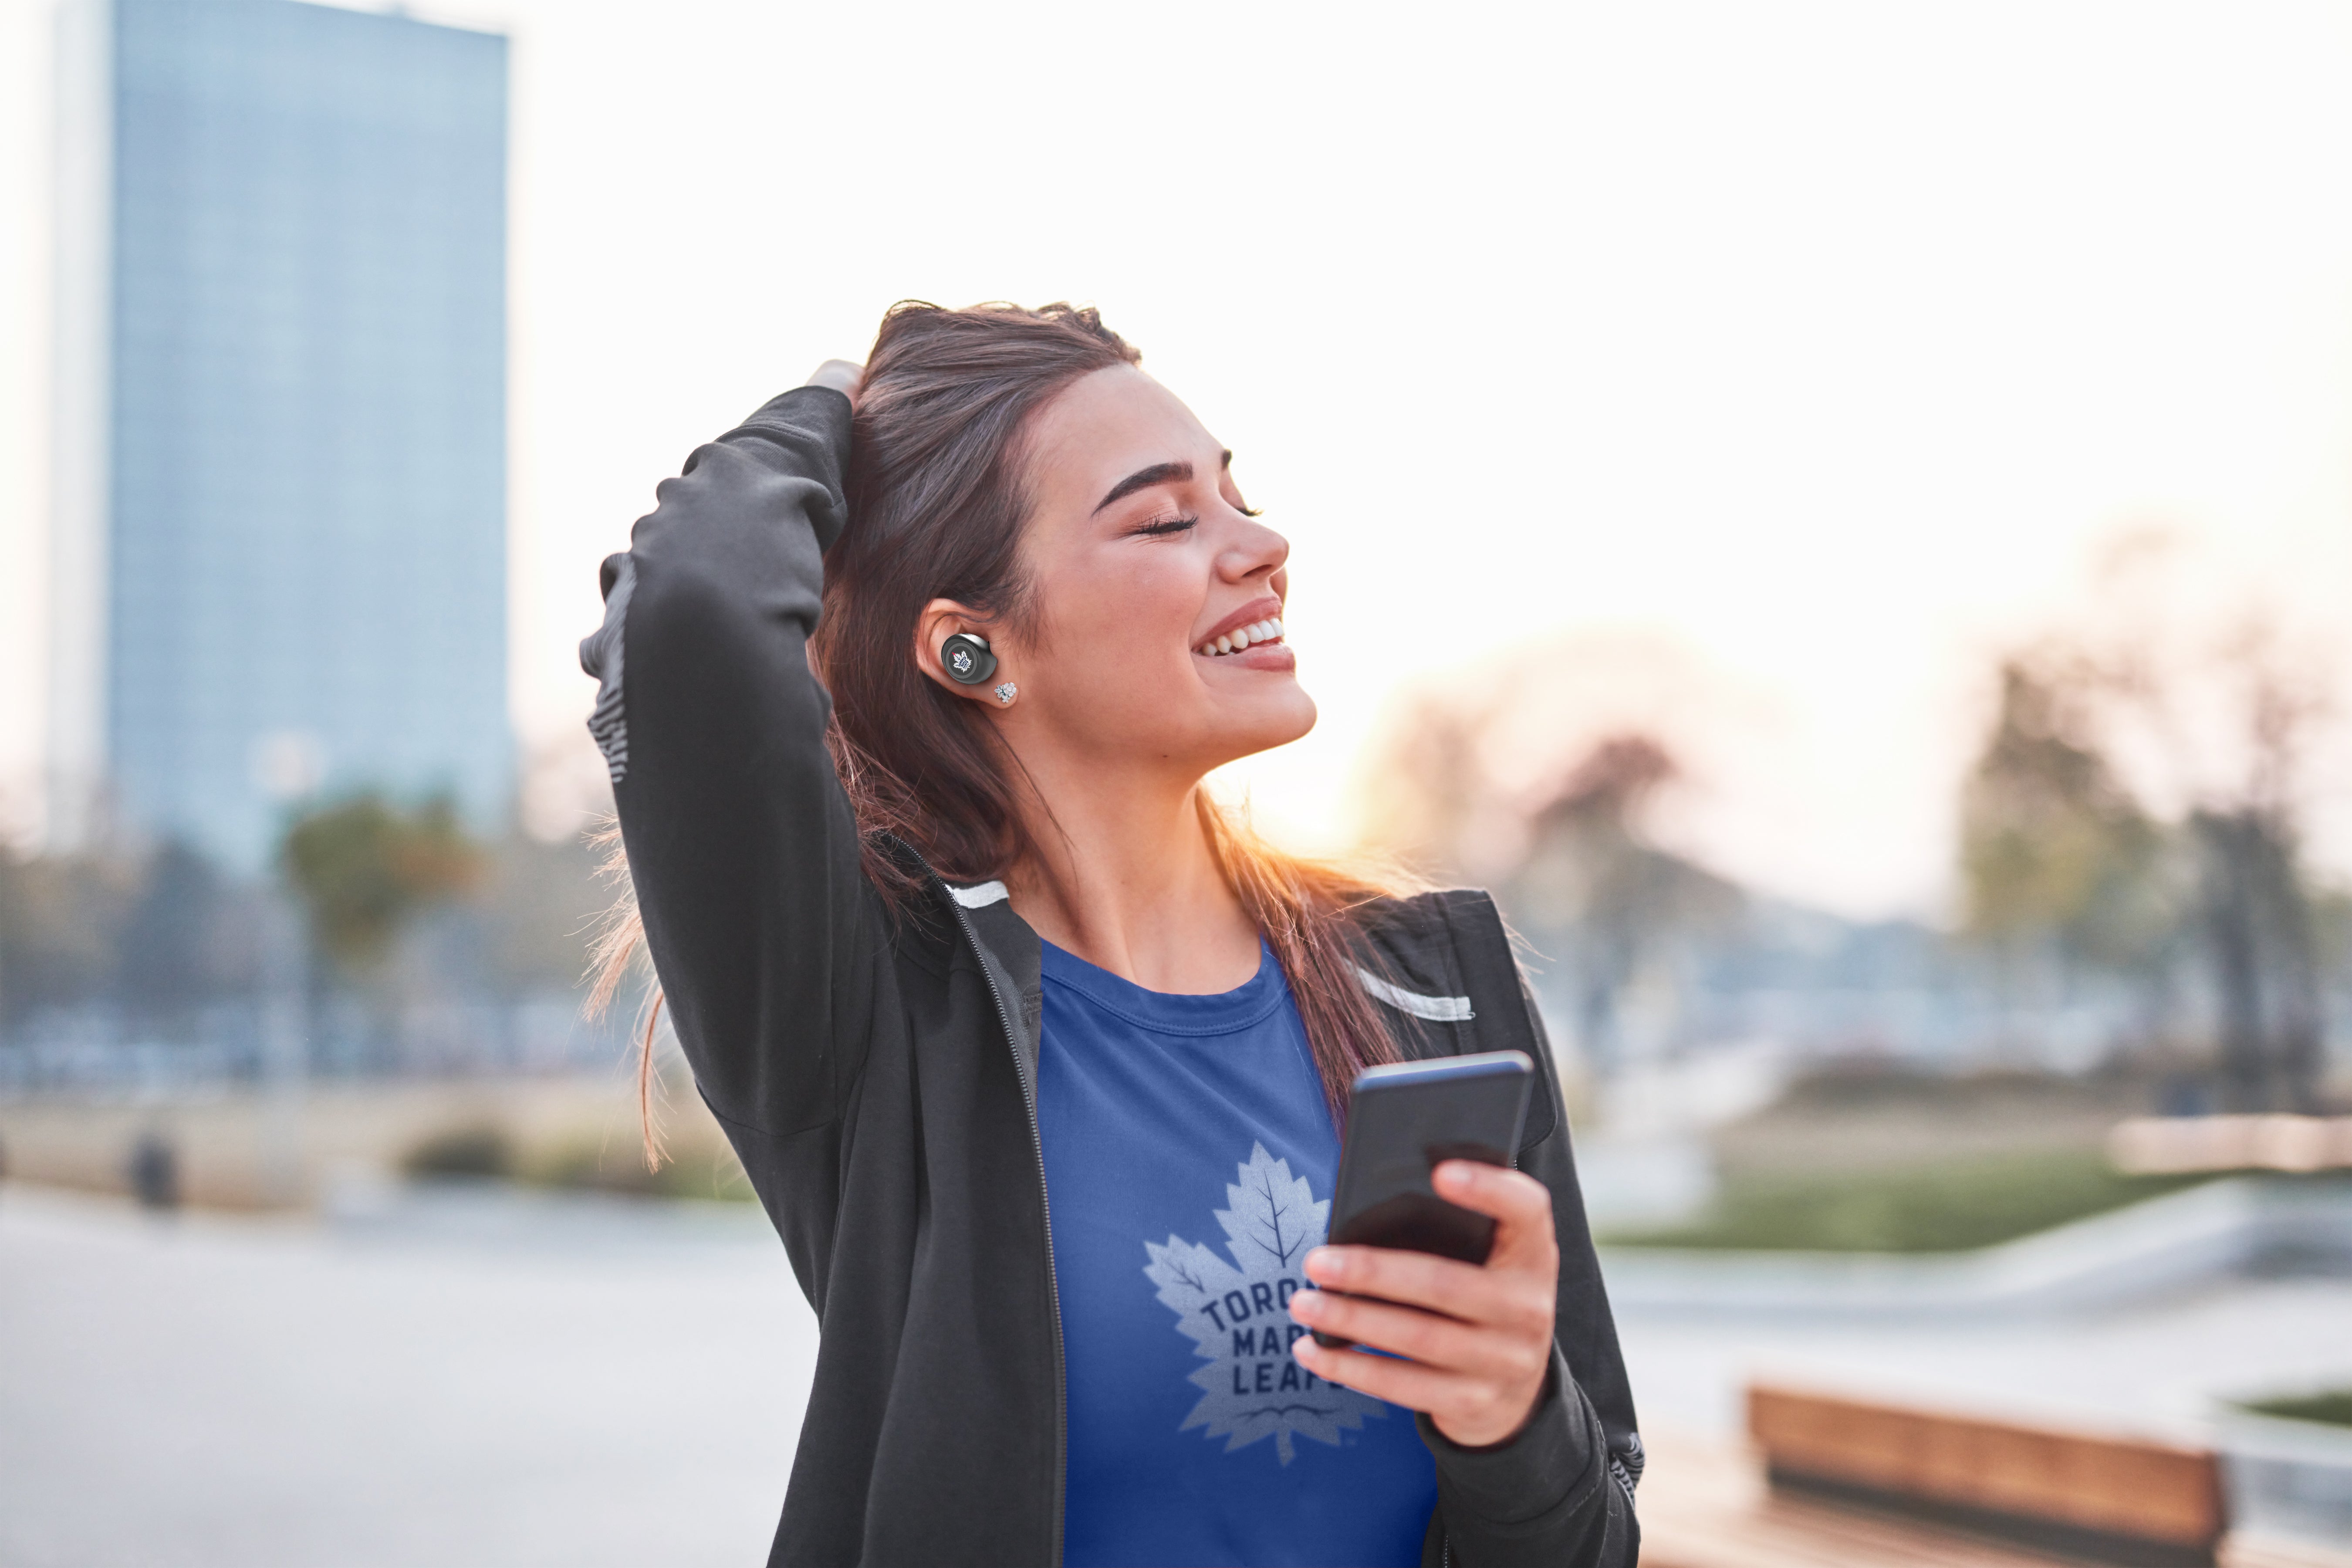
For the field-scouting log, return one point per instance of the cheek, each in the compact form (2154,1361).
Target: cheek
(1124,623)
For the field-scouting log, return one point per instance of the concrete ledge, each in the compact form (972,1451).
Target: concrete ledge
(2219,1229)
(2288,1478)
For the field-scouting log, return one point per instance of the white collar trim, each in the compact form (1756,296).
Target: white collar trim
(1438,1009)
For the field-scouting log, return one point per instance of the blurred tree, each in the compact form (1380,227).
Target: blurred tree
(423,926)
(365,867)
(1428,786)
(539,904)
(2057,848)
(2256,920)
(60,918)
(2257,905)
(1615,902)
(191,937)
(2054,847)
(1537,776)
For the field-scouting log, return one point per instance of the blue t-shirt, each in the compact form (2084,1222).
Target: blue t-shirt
(1189,1164)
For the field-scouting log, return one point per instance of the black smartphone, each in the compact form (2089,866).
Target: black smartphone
(1403,1120)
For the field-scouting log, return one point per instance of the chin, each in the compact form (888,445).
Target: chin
(1275,720)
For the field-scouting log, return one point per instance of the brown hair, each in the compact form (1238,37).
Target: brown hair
(937,501)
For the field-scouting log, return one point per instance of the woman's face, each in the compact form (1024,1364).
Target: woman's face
(1142,555)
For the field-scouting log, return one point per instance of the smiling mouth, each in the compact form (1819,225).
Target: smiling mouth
(1257,632)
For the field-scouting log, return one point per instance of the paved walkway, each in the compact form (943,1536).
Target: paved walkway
(497,1380)
(436,1390)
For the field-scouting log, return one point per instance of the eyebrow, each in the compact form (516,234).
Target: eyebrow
(1144,479)
(1157,474)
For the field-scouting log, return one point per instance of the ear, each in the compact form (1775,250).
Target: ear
(941,619)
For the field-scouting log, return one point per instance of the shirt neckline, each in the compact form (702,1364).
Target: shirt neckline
(1169,1012)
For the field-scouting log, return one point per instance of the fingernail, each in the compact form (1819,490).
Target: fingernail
(1307,1306)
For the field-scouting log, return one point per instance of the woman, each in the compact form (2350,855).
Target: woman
(1037,1060)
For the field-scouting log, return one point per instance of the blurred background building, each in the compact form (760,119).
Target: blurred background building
(281,792)
(280,547)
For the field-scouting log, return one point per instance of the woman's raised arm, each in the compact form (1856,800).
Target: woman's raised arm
(740,841)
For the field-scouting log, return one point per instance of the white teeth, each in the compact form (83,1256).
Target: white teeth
(1267,630)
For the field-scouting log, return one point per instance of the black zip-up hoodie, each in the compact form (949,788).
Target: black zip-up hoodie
(877,1073)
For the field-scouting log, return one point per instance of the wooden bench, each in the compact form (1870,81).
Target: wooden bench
(2095,1498)
(1706,1504)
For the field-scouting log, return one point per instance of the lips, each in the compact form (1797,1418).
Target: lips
(1257,623)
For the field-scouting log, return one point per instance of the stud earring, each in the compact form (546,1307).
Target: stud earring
(1006,693)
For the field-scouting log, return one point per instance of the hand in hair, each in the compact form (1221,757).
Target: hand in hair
(845,376)
(1476,1342)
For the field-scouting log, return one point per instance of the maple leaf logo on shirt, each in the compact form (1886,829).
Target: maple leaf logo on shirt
(1237,1316)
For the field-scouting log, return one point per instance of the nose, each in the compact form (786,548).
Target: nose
(1254,550)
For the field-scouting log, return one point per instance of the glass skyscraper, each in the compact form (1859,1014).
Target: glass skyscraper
(281,533)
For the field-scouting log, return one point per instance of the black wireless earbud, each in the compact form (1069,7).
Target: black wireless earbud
(967,659)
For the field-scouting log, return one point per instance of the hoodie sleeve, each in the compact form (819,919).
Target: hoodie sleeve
(1558,1493)
(741,844)
(1554,1495)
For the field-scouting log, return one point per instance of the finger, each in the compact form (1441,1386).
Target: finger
(1514,1198)
(1417,1278)
(1441,1343)
(1470,1411)
(1514,1293)
(1519,1205)
(1404,1383)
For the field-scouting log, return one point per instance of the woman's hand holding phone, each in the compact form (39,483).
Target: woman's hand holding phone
(1476,1340)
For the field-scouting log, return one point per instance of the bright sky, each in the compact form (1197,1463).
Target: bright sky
(1818,344)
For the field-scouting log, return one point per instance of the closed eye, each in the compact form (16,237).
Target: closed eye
(1160,527)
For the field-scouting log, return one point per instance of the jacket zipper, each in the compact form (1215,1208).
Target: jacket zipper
(1045,1210)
